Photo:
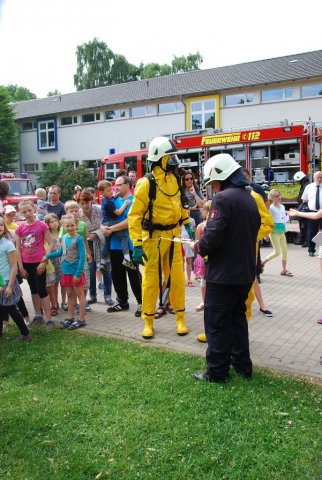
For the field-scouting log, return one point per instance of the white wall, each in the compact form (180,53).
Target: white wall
(297,110)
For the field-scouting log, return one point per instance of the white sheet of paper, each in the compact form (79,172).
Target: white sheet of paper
(318,238)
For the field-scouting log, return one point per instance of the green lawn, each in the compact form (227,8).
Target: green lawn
(76,406)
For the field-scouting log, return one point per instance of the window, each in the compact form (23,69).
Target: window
(311,90)
(203,114)
(91,117)
(238,99)
(141,111)
(47,134)
(31,167)
(170,107)
(114,114)
(68,121)
(28,126)
(277,94)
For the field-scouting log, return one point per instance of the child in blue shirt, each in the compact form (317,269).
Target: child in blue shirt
(110,216)
(72,253)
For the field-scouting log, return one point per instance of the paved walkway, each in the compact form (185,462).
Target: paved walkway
(290,341)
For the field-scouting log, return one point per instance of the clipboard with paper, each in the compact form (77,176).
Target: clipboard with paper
(318,238)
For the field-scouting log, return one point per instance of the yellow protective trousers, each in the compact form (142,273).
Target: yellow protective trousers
(159,251)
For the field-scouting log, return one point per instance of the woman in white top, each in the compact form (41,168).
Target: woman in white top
(278,237)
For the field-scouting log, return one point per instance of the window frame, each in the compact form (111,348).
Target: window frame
(202,112)
(97,117)
(242,95)
(119,117)
(317,85)
(48,131)
(146,112)
(175,110)
(74,120)
(283,98)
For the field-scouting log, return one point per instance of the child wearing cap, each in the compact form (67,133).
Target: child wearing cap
(9,214)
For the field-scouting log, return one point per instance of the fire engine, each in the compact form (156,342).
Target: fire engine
(271,152)
(20,188)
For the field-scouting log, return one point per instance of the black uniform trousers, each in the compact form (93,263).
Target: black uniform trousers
(119,278)
(226,329)
(312,229)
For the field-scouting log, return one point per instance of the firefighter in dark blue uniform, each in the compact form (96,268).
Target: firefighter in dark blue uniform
(229,242)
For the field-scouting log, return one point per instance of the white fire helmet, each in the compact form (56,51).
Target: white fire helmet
(161,146)
(219,167)
(298,176)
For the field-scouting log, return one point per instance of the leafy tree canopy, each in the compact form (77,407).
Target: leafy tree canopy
(8,133)
(98,66)
(19,94)
(53,93)
(66,177)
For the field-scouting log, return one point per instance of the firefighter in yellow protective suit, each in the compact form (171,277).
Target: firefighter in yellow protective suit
(267,226)
(150,220)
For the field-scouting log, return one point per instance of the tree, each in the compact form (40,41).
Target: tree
(94,61)
(186,64)
(178,65)
(66,177)
(8,133)
(53,93)
(19,94)
(98,66)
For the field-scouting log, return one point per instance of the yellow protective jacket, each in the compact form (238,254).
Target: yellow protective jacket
(267,222)
(167,207)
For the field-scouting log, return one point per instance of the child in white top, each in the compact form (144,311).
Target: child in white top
(278,237)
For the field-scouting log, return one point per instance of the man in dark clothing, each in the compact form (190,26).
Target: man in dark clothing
(304,181)
(229,241)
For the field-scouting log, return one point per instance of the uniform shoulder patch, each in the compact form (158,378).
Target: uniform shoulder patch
(213,214)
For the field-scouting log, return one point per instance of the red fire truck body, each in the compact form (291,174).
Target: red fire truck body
(271,153)
(20,188)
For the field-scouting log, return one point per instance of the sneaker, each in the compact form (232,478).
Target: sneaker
(64,306)
(267,313)
(108,300)
(23,338)
(319,321)
(27,320)
(138,311)
(66,323)
(105,266)
(129,264)
(92,300)
(88,307)
(37,320)
(49,325)
(118,307)
(101,286)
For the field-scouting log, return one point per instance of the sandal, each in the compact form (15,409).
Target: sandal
(200,307)
(286,273)
(54,312)
(160,312)
(66,323)
(170,309)
(77,324)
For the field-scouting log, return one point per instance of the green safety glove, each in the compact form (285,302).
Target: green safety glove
(139,256)
(190,231)
(2,281)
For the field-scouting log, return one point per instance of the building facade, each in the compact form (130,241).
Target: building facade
(84,126)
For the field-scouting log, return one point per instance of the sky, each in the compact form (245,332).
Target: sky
(38,38)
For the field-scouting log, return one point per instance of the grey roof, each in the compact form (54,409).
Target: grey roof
(282,69)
